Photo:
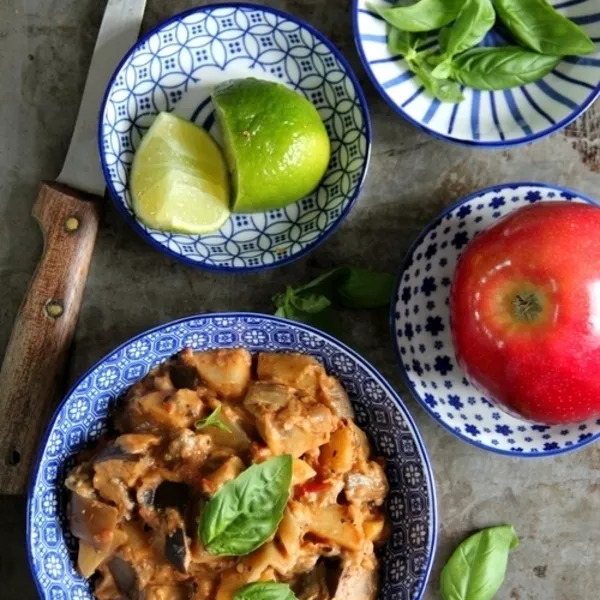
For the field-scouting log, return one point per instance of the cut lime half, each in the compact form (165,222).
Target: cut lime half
(179,178)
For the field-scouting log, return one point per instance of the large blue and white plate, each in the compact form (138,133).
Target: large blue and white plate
(491,119)
(421,330)
(176,66)
(82,416)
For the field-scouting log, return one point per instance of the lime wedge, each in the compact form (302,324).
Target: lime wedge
(276,144)
(179,178)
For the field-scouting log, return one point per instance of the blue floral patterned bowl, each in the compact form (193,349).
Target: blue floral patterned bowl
(175,67)
(406,559)
(421,330)
(491,119)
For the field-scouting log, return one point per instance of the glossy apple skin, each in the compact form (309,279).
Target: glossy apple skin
(547,369)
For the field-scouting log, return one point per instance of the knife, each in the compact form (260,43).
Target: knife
(68,211)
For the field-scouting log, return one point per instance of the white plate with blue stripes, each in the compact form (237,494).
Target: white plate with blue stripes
(494,119)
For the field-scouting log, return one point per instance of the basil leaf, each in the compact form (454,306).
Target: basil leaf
(310,303)
(476,569)
(362,288)
(401,42)
(424,15)
(212,420)
(265,590)
(473,21)
(500,68)
(247,510)
(442,89)
(443,37)
(537,25)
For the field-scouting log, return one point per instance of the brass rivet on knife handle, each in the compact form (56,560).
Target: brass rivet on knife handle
(37,350)
(71,224)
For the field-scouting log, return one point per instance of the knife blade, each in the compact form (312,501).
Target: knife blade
(68,212)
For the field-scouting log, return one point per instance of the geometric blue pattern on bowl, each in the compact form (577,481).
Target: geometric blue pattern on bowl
(421,330)
(406,559)
(494,119)
(175,67)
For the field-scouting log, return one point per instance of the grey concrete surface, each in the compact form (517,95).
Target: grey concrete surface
(45,47)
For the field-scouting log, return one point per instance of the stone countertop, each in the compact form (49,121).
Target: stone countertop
(554,503)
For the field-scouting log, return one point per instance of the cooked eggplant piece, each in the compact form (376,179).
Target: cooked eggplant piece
(369,485)
(184,376)
(296,370)
(171,494)
(267,396)
(177,549)
(92,521)
(89,559)
(297,428)
(226,371)
(125,577)
(312,585)
(335,397)
(114,478)
(356,583)
(160,410)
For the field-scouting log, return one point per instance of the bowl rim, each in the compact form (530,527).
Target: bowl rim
(392,394)
(392,317)
(130,219)
(520,141)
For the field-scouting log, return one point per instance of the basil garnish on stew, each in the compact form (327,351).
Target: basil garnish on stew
(213,420)
(476,569)
(265,590)
(247,510)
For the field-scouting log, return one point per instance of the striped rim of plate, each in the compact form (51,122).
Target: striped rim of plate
(493,119)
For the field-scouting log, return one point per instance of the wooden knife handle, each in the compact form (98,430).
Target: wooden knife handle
(32,370)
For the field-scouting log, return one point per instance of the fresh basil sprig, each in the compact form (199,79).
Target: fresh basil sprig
(424,15)
(537,25)
(247,510)
(213,420)
(441,88)
(349,287)
(474,20)
(476,569)
(265,590)
(501,67)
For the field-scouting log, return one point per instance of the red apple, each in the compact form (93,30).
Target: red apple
(525,312)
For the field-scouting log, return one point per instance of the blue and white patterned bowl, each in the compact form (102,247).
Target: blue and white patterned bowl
(421,330)
(82,417)
(490,119)
(176,66)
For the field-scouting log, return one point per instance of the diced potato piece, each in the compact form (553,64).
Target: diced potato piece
(334,523)
(297,370)
(301,471)
(264,396)
(164,410)
(335,397)
(229,470)
(226,371)
(236,437)
(288,534)
(374,528)
(338,454)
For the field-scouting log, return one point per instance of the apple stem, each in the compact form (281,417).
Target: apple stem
(527,306)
